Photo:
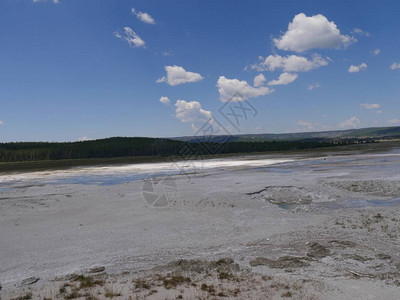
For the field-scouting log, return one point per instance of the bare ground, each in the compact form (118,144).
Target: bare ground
(325,230)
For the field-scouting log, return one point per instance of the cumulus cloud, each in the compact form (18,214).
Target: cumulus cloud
(361,32)
(165,100)
(370,105)
(284,79)
(313,32)
(395,66)
(54,1)
(192,112)
(356,69)
(350,123)
(290,63)
(144,17)
(376,52)
(177,75)
(394,121)
(238,90)
(307,125)
(84,138)
(131,37)
(312,86)
(259,80)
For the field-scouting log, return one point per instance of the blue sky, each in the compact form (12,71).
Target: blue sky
(73,69)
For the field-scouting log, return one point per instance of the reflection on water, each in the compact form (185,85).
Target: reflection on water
(366,203)
(107,179)
(349,203)
(112,175)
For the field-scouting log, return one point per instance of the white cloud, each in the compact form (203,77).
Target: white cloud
(1,122)
(306,125)
(144,17)
(312,86)
(177,75)
(84,138)
(379,111)
(191,112)
(284,79)
(54,1)
(312,126)
(356,69)
(131,37)
(165,100)
(395,66)
(350,123)
(291,63)
(370,105)
(259,80)
(313,32)
(376,52)
(238,90)
(361,32)
(394,121)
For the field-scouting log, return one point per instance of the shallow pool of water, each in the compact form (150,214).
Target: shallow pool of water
(112,175)
(356,203)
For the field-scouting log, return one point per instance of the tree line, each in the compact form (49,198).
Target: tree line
(139,146)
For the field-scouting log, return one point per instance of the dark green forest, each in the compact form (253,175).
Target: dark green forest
(144,147)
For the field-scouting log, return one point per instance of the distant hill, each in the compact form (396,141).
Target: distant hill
(375,132)
(363,133)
